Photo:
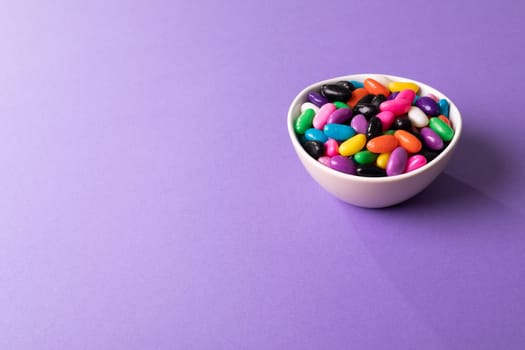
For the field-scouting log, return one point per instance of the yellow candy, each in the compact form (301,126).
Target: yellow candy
(352,145)
(382,159)
(402,85)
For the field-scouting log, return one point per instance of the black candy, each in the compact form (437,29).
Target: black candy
(365,109)
(334,92)
(367,99)
(377,100)
(429,154)
(402,123)
(375,128)
(314,148)
(370,170)
(346,84)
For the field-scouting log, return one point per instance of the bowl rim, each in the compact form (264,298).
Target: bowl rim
(361,76)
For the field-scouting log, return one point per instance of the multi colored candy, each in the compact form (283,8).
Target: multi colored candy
(373,128)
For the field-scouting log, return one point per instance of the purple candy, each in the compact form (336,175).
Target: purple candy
(317,99)
(339,116)
(428,105)
(397,162)
(343,164)
(431,139)
(393,95)
(360,124)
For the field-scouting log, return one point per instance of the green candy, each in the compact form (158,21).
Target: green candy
(304,121)
(339,104)
(389,132)
(441,128)
(365,157)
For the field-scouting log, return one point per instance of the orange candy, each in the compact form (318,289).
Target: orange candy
(375,87)
(408,141)
(382,144)
(445,120)
(357,94)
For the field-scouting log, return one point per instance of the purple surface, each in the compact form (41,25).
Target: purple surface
(141,209)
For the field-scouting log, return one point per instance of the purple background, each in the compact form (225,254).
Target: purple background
(150,197)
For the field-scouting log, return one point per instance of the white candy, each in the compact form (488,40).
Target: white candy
(418,118)
(309,105)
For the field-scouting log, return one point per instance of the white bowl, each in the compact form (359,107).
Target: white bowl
(373,192)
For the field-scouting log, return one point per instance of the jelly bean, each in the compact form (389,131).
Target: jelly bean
(365,157)
(346,84)
(366,99)
(314,148)
(315,135)
(397,162)
(375,87)
(382,144)
(334,92)
(331,148)
(402,123)
(375,128)
(431,139)
(397,106)
(343,164)
(382,160)
(445,120)
(352,145)
(357,84)
(324,160)
(316,98)
(321,117)
(309,105)
(304,121)
(339,104)
(434,97)
(387,119)
(339,132)
(368,110)
(339,116)
(389,132)
(359,123)
(377,100)
(408,141)
(415,162)
(357,94)
(402,85)
(392,96)
(417,117)
(428,105)
(369,170)
(381,79)
(407,95)
(444,107)
(443,130)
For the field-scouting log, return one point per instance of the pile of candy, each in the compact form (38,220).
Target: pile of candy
(373,128)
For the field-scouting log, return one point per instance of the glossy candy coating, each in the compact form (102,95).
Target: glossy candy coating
(343,164)
(314,148)
(309,105)
(352,145)
(359,124)
(314,134)
(366,109)
(397,162)
(382,160)
(346,84)
(325,161)
(417,117)
(321,117)
(304,121)
(403,85)
(402,123)
(370,170)
(441,128)
(365,157)
(375,128)
(357,94)
(375,87)
(339,132)
(316,98)
(444,107)
(339,116)
(428,105)
(407,95)
(415,162)
(334,92)
(431,139)
(357,84)
(445,120)
(377,100)
(408,141)
(382,144)
(397,106)
(387,119)
(331,148)
(339,104)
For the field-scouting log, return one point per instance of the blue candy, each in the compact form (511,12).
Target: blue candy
(443,107)
(339,132)
(315,135)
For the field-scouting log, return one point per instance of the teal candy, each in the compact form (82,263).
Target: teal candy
(339,132)
(444,107)
(314,134)
(357,84)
